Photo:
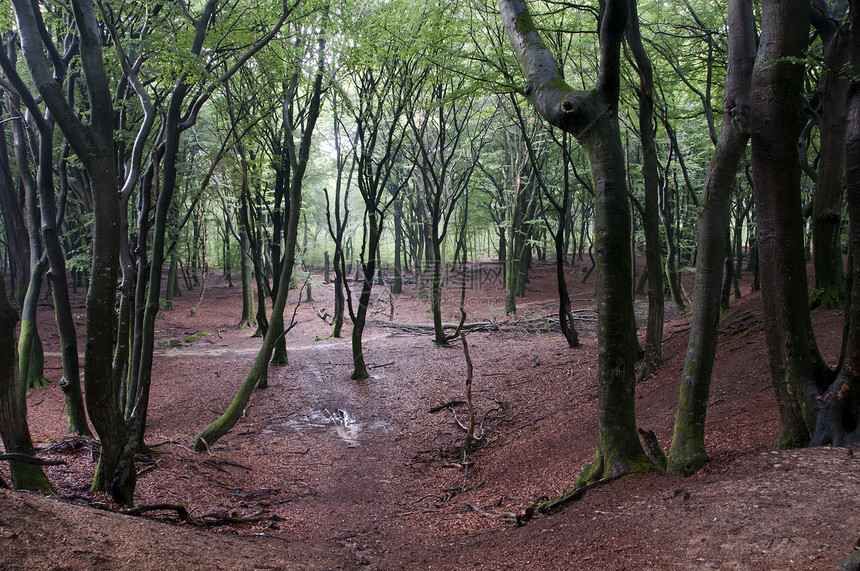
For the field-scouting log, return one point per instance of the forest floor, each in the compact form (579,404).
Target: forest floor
(342,474)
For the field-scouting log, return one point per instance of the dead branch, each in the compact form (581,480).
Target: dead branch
(450,403)
(27,459)
(209,520)
(180,510)
(323,314)
(575,494)
(470,431)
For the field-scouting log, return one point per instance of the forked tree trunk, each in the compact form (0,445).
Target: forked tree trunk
(592,118)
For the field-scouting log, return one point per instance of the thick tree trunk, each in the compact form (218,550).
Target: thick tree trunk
(687,453)
(592,118)
(795,363)
(839,420)
(13,404)
(18,247)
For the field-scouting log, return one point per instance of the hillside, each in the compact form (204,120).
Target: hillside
(341,474)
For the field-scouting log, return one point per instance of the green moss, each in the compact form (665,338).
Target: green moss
(525,24)
(831,297)
(196,336)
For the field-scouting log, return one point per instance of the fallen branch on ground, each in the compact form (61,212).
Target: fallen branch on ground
(208,520)
(27,459)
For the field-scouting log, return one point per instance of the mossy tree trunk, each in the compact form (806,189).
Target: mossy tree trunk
(592,118)
(13,403)
(797,370)
(688,453)
(299,159)
(30,357)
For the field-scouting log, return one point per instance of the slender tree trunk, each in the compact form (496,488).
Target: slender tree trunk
(687,453)
(368,269)
(436,265)
(651,215)
(397,286)
(248,318)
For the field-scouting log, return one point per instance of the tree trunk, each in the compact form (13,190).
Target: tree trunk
(13,404)
(829,288)
(687,453)
(651,214)
(592,118)
(839,422)
(248,318)
(368,268)
(18,247)
(397,286)
(795,363)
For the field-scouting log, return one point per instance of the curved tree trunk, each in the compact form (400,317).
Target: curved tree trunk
(687,453)
(592,118)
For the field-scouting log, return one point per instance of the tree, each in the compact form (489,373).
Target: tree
(650,209)
(829,286)
(449,144)
(299,157)
(382,93)
(797,370)
(687,453)
(13,403)
(592,117)
(839,423)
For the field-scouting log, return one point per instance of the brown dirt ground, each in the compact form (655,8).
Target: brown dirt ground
(348,474)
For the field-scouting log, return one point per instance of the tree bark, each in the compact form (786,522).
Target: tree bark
(13,404)
(592,118)
(688,453)
(795,363)
(829,285)
(839,420)
(651,214)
